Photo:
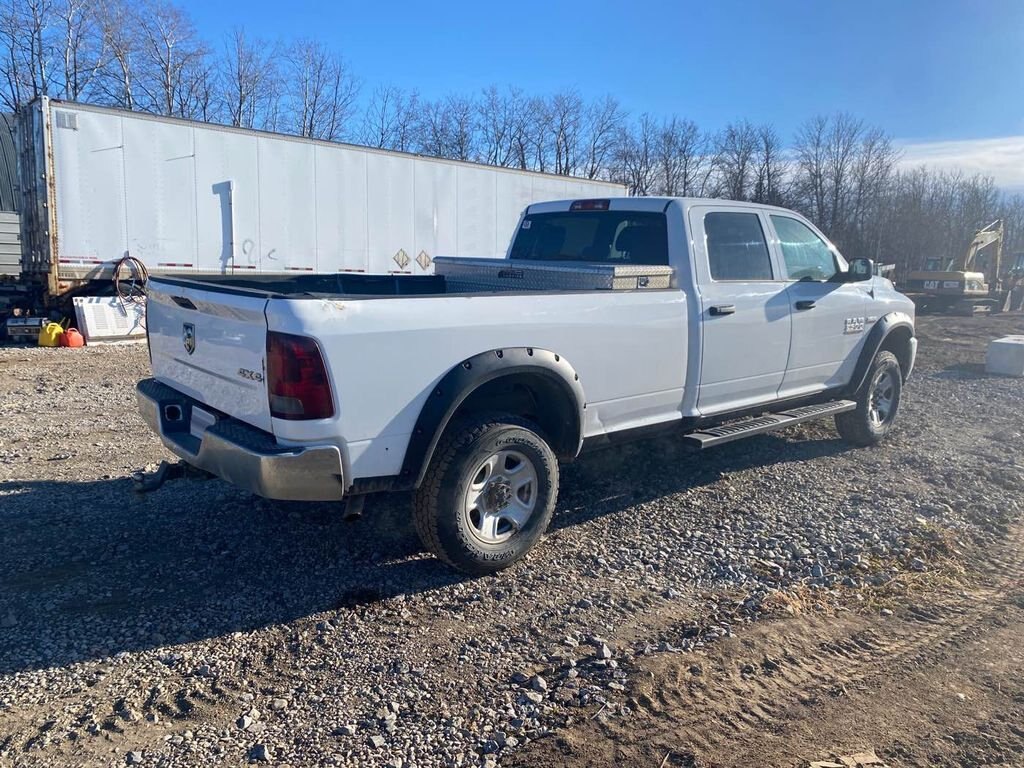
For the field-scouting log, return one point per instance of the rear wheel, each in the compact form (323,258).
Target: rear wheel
(488,494)
(878,401)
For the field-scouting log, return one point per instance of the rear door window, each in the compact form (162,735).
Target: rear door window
(620,237)
(736,246)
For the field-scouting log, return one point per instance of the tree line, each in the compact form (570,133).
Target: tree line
(846,176)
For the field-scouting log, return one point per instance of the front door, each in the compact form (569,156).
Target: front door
(829,323)
(745,311)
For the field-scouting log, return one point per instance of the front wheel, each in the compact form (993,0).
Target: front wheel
(878,401)
(488,494)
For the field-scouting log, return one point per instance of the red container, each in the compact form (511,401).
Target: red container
(72,338)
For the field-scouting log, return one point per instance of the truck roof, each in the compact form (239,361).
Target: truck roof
(651,204)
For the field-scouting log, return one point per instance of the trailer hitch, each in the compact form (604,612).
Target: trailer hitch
(147,482)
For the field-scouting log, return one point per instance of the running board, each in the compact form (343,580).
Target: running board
(769,422)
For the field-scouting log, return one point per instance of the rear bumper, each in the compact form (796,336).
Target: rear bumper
(240,454)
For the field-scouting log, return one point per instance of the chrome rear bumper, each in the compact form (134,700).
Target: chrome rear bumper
(241,454)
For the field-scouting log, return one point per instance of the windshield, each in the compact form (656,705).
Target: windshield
(622,237)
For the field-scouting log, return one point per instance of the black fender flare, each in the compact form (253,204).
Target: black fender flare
(876,337)
(468,376)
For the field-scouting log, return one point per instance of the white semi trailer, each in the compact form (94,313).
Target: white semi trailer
(189,198)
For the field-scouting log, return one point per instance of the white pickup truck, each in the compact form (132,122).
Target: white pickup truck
(721,320)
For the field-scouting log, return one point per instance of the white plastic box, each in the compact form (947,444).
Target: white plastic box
(1006,356)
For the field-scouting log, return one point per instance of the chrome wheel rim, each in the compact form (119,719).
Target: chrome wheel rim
(882,399)
(501,496)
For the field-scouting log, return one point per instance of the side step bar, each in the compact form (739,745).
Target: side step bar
(769,422)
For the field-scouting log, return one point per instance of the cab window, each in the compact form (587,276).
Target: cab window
(618,237)
(806,255)
(736,247)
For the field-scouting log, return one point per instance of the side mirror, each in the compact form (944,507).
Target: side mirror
(860,270)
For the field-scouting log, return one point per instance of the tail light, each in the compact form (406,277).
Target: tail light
(297,381)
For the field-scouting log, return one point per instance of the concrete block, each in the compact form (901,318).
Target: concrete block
(1006,356)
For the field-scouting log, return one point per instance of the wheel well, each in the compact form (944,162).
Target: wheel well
(898,342)
(534,396)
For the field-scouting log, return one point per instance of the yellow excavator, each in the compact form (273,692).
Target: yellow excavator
(967,285)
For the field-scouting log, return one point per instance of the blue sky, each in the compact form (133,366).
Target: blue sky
(925,71)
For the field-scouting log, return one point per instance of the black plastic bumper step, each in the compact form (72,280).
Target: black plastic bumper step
(758,425)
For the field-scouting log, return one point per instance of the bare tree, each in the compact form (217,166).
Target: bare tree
(38,16)
(736,147)
(1011,211)
(601,125)
(635,162)
(841,151)
(873,167)
(322,90)
(499,120)
(810,148)
(380,117)
(27,50)
(197,98)
(446,128)
(82,46)
(770,167)
(536,136)
(118,77)
(171,54)
(405,123)
(461,116)
(841,178)
(432,130)
(14,68)
(565,122)
(683,158)
(249,79)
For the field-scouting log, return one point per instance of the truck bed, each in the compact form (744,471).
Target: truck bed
(467,277)
(315,285)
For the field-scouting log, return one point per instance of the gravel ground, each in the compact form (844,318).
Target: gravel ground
(199,625)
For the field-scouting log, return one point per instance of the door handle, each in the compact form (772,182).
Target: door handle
(805,305)
(722,309)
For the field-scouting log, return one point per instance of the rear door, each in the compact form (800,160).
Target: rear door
(211,345)
(745,312)
(829,321)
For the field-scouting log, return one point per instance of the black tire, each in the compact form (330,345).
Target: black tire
(443,518)
(862,426)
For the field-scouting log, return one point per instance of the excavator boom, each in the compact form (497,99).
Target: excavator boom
(983,238)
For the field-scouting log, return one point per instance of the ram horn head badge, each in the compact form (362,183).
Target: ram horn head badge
(188,337)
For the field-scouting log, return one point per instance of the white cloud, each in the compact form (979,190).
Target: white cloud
(1002,159)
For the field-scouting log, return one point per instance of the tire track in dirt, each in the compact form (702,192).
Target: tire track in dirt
(810,668)
(761,682)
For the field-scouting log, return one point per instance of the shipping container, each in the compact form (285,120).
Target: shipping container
(99,184)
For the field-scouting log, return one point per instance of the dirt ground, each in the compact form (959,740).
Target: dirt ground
(781,601)
(928,674)
(939,681)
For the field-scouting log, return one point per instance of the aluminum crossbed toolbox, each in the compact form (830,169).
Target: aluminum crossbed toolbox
(462,275)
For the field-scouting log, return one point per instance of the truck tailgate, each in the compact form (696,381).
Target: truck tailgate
(211,346)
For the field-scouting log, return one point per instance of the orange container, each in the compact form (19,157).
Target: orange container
(72,338)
